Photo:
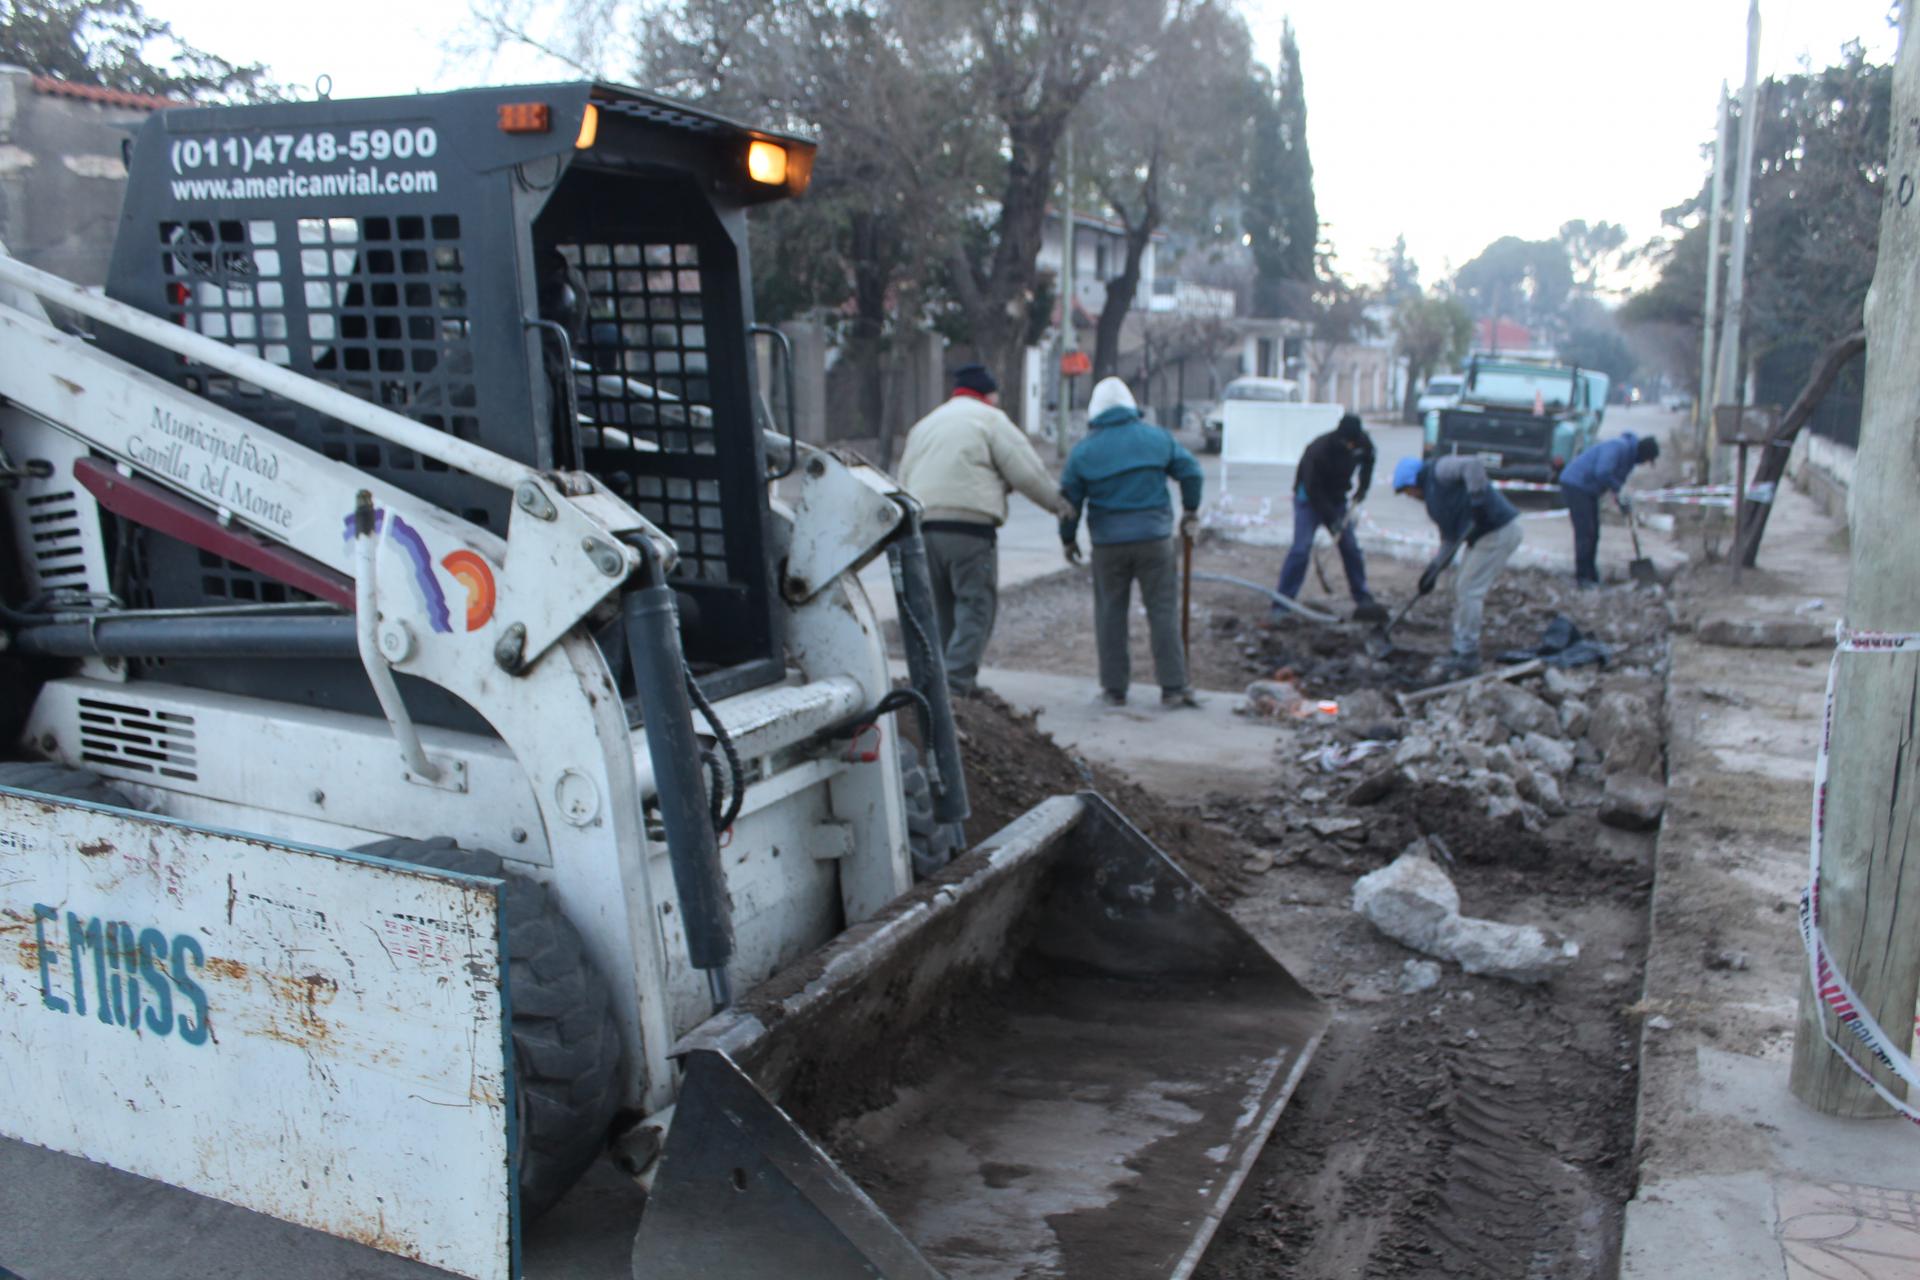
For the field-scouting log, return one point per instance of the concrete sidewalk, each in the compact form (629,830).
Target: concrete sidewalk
(1737,1179)
(1182,753)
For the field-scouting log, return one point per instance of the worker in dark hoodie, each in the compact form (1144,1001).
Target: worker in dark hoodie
(1321,484)
(1119,474)
(1600,469)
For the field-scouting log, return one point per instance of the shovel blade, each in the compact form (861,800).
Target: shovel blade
(1059,1058)
(1643,572)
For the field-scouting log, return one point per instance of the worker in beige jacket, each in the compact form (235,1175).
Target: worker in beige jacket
(961,462)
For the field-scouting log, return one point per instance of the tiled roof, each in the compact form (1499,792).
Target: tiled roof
(105,97)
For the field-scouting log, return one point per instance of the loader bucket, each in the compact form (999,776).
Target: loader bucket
(1059,1058)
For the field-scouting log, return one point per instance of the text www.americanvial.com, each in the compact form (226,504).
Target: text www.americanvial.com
(371,180)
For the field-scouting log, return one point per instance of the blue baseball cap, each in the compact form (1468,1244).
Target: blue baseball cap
(1406,473)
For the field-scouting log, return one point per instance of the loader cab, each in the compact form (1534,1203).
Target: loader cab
(555,272)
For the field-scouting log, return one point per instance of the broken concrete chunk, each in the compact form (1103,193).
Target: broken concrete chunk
(1417,976)
(1327,828)
(1520,711)
(1414,902)
(1366,706)
(1538,787)
(1411,899)
(1473,755)
(1749,631)
(1553,755)
(1632,802)
(1562,684)
(1501,759)
(1413,749)
(1516,952)
(1627,732)
(1575,716)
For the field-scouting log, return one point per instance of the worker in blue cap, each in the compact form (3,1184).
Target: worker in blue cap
(1469,511)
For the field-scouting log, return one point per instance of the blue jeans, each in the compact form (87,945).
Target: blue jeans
(1294,571)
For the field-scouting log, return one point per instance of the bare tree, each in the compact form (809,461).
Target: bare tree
(1032,62)
(1165,145)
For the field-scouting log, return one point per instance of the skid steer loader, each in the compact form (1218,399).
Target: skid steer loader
(453,726)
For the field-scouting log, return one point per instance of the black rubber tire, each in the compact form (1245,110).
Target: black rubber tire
(64,781)
(931,843)
(566,1046)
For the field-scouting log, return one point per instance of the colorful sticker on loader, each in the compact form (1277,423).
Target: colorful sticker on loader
(467,568)
(311,1035)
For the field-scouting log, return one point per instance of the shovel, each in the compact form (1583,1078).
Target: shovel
(1641,569)
(1380,643)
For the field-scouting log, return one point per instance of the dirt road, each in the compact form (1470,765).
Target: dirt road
(1451,1125)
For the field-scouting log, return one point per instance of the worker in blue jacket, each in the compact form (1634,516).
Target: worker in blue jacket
(1119,474)
(1601,468)
(1466,509)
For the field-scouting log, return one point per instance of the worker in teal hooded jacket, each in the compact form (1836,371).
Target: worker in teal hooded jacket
(1119,474)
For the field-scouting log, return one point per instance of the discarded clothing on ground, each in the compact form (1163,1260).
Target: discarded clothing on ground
(1561,645)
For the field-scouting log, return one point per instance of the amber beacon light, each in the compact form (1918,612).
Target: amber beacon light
(767,163)
(525,117)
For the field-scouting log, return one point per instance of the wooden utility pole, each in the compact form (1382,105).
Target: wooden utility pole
(1704,402)
(1870,880)
(1728,388)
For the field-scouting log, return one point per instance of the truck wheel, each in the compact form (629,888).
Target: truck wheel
(60,780)
(566,1046)
(931,843)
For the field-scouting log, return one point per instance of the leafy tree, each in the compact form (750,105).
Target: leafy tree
(1160,158)
(901,154)
(1402,273)
(1433,333)
(1601,347)
(1818,182)
(1523,280)
(1281,220)
(113,44)
(1591,249)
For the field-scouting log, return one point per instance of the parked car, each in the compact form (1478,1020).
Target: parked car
(1283,390)
(1441,392)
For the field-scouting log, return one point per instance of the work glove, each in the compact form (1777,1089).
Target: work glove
(1624,503)
(1190,525)
(1072,552)
(1428,577)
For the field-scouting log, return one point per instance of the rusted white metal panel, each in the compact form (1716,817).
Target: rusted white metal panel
(313,1035)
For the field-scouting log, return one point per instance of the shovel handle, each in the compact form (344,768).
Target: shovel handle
(1186,596)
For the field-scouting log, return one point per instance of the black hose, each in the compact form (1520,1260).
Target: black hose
(737,779)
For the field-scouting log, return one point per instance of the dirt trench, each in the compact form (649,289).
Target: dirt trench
(1474,1127)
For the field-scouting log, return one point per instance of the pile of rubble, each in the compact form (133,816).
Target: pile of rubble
(1529,754)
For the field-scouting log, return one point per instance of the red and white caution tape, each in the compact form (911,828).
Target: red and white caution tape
(1526,486)
(1832,985)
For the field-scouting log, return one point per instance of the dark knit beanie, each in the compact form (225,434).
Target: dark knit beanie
(1646,449)
(1350,428)
(976,378)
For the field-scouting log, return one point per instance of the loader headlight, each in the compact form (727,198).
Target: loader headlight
(589,128)
(767,163)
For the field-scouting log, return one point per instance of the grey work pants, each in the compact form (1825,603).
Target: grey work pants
(1116,567)
(966,593)
(1480,564)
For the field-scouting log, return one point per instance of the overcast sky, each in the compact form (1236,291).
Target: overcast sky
(1453,123)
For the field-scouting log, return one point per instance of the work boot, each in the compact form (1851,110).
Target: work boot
(1173,699)
(1113,698)
(1455,666)
(1369,610)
